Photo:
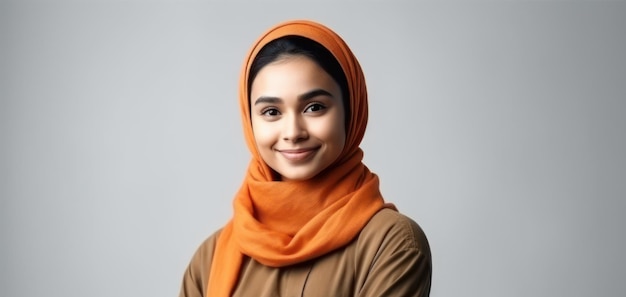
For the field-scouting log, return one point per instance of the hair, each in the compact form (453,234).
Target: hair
(293,45)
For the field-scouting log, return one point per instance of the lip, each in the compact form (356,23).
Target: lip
(298,155)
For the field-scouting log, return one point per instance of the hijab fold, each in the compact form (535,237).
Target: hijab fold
(281,223)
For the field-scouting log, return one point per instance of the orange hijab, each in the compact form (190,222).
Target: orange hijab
(281,223)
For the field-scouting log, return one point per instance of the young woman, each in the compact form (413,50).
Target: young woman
(309,219)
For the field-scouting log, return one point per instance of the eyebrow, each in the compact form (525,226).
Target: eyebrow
(306,96)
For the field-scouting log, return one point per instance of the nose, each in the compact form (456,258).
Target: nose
(294,128)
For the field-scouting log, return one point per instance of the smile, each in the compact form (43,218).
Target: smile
(298,155)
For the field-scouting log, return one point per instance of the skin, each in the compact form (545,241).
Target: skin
(297,117)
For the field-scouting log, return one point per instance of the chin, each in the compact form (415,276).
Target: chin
(295,177)
(298,176)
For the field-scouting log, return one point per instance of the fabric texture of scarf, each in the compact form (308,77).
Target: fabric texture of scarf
(280,223)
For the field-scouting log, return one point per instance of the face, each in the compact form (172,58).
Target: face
(297,117)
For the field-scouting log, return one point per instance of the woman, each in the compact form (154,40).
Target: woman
(309,219)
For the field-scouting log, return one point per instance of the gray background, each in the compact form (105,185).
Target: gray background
(498,126)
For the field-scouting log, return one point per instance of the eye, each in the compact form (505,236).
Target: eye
(270,112)
(315,107)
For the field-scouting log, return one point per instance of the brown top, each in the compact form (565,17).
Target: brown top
(390,257)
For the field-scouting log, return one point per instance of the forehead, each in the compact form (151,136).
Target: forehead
(289,73)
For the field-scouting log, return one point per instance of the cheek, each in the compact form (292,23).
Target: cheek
(263,134)
(340,139)
(333,132)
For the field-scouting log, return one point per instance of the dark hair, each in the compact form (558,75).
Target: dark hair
(292,45)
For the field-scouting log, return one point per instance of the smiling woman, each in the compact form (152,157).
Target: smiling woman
(309,219)
(297,118)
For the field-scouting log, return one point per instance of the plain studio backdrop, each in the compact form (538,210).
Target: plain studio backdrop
(500,127)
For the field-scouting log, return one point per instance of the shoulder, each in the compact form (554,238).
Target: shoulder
(392,257)
(198,270)
(204,253)
(394,230)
